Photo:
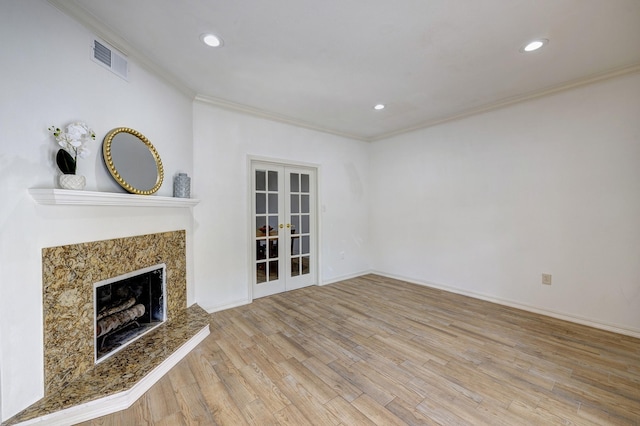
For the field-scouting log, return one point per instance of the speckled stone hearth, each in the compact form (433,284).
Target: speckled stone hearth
(124,369)
(69,273)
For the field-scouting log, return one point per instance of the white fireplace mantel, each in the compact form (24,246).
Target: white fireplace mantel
(95,198)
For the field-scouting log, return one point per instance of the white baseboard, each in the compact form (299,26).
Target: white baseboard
(558,315)
(227,306)
(122,400)
(344,277)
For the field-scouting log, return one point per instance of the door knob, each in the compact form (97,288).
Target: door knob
(281,226)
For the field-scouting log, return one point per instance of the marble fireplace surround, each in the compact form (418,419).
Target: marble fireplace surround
(71,378)
(68,275)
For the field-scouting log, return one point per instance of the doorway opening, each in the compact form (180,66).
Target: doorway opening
(284,227)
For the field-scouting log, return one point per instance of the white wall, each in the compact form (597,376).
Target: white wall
(223,141)
(47,78)
(482,205)
(487,204)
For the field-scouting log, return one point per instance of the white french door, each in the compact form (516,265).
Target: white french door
(284,228)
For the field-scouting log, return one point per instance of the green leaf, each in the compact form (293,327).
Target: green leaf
(66,163)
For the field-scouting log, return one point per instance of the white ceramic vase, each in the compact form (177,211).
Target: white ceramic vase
(72,181)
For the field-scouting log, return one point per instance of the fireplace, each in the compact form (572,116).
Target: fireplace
(69,275)
(127,307)
(77,388)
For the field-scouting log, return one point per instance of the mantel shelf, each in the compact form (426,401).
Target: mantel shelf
(93,198)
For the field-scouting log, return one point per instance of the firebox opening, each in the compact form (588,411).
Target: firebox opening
(126,307)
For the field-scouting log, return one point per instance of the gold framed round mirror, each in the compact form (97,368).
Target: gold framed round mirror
(132,161)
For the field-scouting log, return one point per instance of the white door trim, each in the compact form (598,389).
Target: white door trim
(251,159)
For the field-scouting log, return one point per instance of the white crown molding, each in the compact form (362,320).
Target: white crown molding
(261,113)
(595,78)
(502,103)
(73,9)
(77,12)
(60,197)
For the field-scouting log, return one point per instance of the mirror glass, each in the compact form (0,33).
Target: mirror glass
(132,161)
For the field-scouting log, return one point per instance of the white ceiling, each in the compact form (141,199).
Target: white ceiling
(324,64)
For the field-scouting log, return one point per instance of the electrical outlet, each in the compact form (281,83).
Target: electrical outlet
(546,279)
(342,255)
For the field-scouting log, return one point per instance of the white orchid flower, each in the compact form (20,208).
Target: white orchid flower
(77,130)
(73,140)
(83,152)
(76,143)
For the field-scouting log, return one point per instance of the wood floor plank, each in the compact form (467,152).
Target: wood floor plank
(308,405)
(378,414)
(323,352)
(181,376)
(337,382)
(256,413)
(376,350)
(318,388)
(392,385)
(354,374)
(266,389)
(222,405)
(291,416)
(347,413)
(176,419)
(235,383)
(447,411)
(193,406)
(409,414)
(236,354)
(263,355)
(162,400)
(288,347)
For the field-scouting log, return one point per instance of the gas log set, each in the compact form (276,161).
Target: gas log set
(126,308)
(118,316)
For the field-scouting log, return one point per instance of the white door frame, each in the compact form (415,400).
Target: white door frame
(251,159)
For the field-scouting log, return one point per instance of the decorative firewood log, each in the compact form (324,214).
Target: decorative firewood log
(117,319)
(109,310)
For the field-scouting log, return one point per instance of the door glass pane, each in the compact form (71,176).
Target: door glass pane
(295,245)
(260,180)
(261,226)
(273,248)
(261,250)
(273,203)
(273,225)
(261,274)
(295,266)
(273,180)
(269,220)
(261,203)
(273,270)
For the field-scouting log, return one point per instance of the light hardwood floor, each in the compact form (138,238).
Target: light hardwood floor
(373,350)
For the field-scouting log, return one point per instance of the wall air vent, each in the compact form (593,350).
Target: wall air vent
(108,57)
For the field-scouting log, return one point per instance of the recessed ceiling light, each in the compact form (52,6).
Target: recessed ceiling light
(379,107)
(211,40)
(534,45)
